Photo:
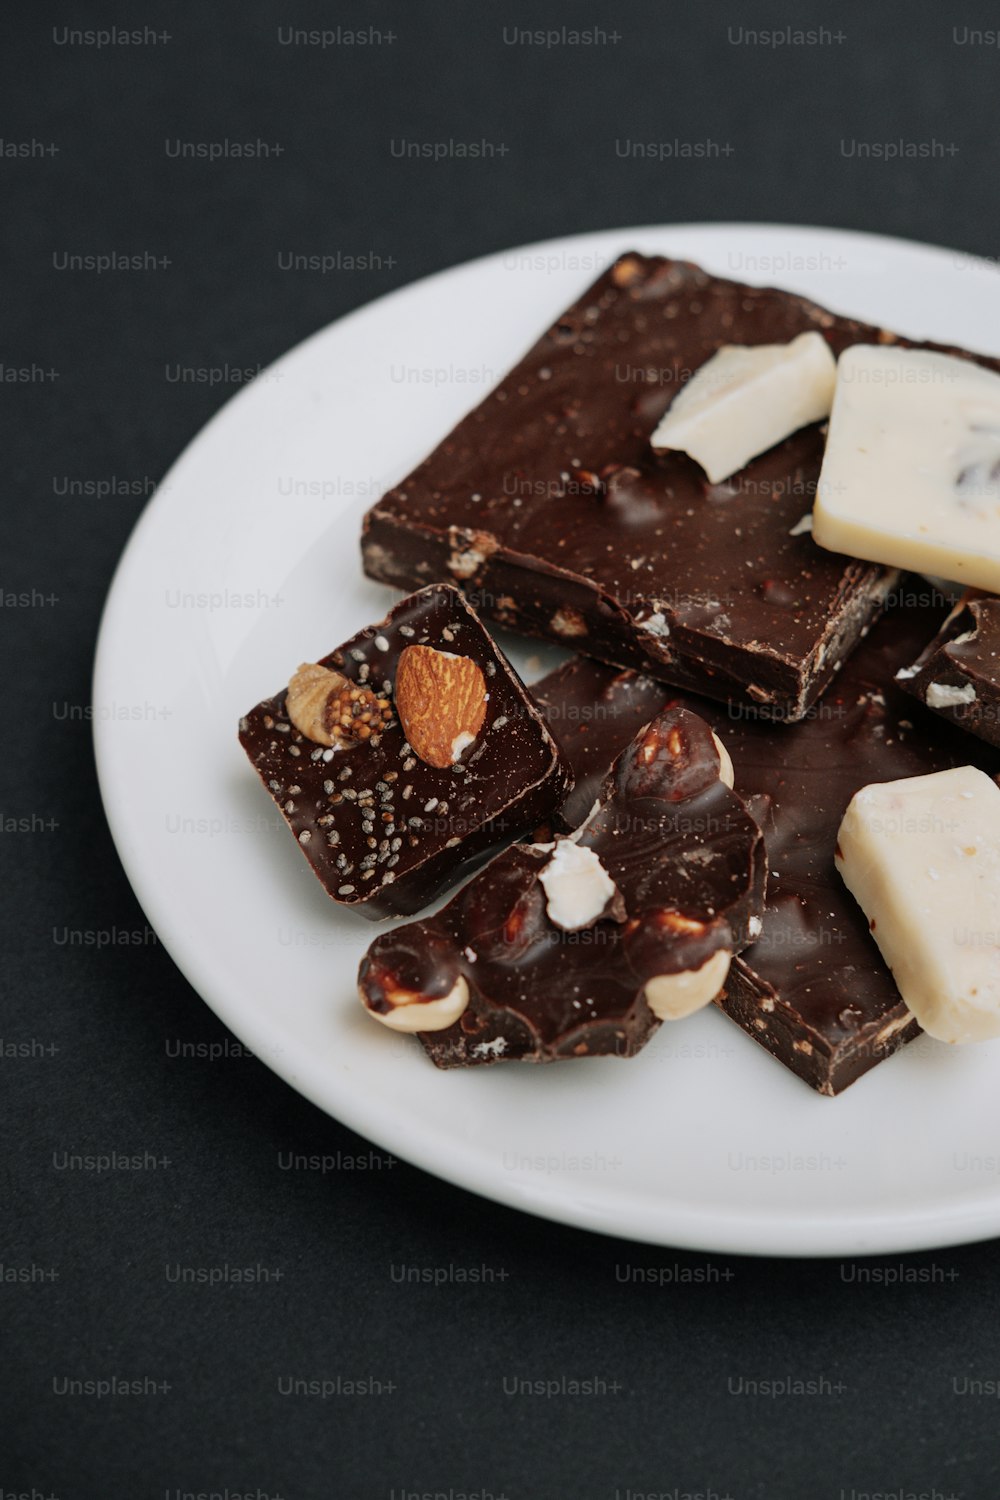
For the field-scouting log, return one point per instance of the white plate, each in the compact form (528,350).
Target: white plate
(230,580)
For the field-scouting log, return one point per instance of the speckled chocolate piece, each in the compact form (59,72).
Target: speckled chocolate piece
(814,989)
(688,863)
(958,674)
(383,830)
(548,506)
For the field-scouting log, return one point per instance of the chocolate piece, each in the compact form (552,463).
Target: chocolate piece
(814,990)
(594,711)
(585,961)
(958,674)
(547,504)
(384,830)
(911,470)
(920,858)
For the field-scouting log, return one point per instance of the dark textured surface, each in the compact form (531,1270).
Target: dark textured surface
(559,1303)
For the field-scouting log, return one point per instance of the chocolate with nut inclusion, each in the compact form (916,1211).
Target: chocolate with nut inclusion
(547,504)
(814,989)
(536,970)
(384,830)
(958,673)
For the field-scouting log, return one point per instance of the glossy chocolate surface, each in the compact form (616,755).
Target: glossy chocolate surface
(964,656)
(814,989)
(688,863)
(548,506)
(383,830)
(594,711)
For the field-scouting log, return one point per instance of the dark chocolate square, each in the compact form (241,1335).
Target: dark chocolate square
(384,831)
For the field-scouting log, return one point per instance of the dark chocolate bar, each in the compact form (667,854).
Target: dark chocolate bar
(814,989)
(958,673)
(384,829)
(533,962)
(548,506)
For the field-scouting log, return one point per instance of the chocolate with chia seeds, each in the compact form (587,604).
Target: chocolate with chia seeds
(384,830)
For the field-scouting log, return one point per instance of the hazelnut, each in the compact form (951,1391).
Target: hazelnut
(328,708)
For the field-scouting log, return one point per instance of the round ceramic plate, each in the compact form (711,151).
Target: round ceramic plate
(246,562)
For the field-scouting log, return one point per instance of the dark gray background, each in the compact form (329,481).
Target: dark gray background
(97,1024)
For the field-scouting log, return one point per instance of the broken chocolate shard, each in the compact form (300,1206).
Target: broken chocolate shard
(384,830)
(686,863)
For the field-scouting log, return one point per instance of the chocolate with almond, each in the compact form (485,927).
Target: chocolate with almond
(406,755)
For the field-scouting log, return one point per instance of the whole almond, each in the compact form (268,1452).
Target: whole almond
(441,703)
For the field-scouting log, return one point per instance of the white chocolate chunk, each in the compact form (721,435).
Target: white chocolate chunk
(747,398)
(911,472)
(922,859)
(415,1012)
(577,886)
(671,997)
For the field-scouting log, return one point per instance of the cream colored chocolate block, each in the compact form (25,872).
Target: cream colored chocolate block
(922,859)
(747,398)
(911,472)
